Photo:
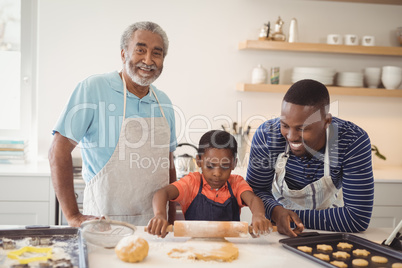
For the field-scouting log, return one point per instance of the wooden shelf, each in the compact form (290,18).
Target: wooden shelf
(350,91)
(323,48)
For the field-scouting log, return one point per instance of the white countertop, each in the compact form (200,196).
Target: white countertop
(253,252)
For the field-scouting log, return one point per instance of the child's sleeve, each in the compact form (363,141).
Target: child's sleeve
(186,187)
(239,185)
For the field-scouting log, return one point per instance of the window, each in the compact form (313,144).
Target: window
(17,72)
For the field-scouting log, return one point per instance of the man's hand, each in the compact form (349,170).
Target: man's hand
(77,219)
(157,226)
(282,217)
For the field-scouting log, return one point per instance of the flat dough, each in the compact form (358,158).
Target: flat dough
(206,249)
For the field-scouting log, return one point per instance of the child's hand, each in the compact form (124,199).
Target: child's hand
(157,226)
(261,225)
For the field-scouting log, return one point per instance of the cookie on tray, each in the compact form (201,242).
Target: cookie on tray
(344,246)
(324,257)
(341,255)
(397,265)
(339,264)
(360,263)
(360,253)
(305,249)
(324,248)
(379,259)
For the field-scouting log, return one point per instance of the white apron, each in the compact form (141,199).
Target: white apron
(138,167)
(321,194)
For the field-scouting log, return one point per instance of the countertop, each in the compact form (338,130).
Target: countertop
(389,174)
(253,252)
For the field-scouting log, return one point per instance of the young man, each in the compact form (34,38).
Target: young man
(311,169)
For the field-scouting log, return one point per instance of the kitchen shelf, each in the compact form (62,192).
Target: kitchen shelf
(318,47)
(333,90)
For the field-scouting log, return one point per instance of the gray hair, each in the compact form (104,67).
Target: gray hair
(146,26)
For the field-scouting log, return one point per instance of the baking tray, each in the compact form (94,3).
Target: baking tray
(392,255)
(71,238)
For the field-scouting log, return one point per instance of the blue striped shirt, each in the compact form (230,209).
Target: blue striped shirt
(350,168)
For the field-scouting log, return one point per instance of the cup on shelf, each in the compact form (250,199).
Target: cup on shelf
(351,40)
(372,77)
(391,77)
(368,40)
(334,39)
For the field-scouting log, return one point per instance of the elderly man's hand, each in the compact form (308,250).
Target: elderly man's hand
(282,217)
(77,219)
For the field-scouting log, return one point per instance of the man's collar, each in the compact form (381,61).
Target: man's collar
(117,85)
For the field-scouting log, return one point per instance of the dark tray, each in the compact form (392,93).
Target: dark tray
(72,237)
(392,255)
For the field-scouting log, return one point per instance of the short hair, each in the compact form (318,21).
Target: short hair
(217,139)
(146,26)
(308,92)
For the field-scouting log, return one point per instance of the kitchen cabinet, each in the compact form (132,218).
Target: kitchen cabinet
(321,48)
(387,211)
(27,200)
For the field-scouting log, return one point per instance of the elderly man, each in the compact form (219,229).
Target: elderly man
(126,130)
(311,169)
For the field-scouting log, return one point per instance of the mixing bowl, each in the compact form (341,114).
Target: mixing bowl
(105,232)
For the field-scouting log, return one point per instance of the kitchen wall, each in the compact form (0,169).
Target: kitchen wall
(79,38)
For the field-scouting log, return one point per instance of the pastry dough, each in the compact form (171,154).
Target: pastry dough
(207,249)
(360,253)
(305,249)
(360,263)
(321,256)
(132,249)
(324,248)
(344,246)
(340,264)
(379,259)
(341,255)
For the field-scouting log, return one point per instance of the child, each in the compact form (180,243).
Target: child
(214,195)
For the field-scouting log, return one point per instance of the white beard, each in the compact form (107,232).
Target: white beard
(142,81)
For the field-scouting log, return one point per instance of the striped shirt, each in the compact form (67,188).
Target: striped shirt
(350,168)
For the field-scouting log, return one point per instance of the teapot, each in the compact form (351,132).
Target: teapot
(185,163)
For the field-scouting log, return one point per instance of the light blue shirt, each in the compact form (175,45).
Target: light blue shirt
(94,114)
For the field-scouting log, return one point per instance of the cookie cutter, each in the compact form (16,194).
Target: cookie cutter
(16,254)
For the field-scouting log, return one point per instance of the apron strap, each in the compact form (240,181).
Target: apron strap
(200,189)
(326,156)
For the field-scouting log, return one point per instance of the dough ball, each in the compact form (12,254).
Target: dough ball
(132,249)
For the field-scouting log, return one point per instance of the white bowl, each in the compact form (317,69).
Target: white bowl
(372,77)
(391,70)
(391,81)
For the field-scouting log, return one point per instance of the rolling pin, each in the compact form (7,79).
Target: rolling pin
(210,229)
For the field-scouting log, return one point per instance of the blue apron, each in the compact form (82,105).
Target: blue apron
(205,209)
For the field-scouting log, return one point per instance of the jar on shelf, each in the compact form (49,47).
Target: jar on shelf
(259,75)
